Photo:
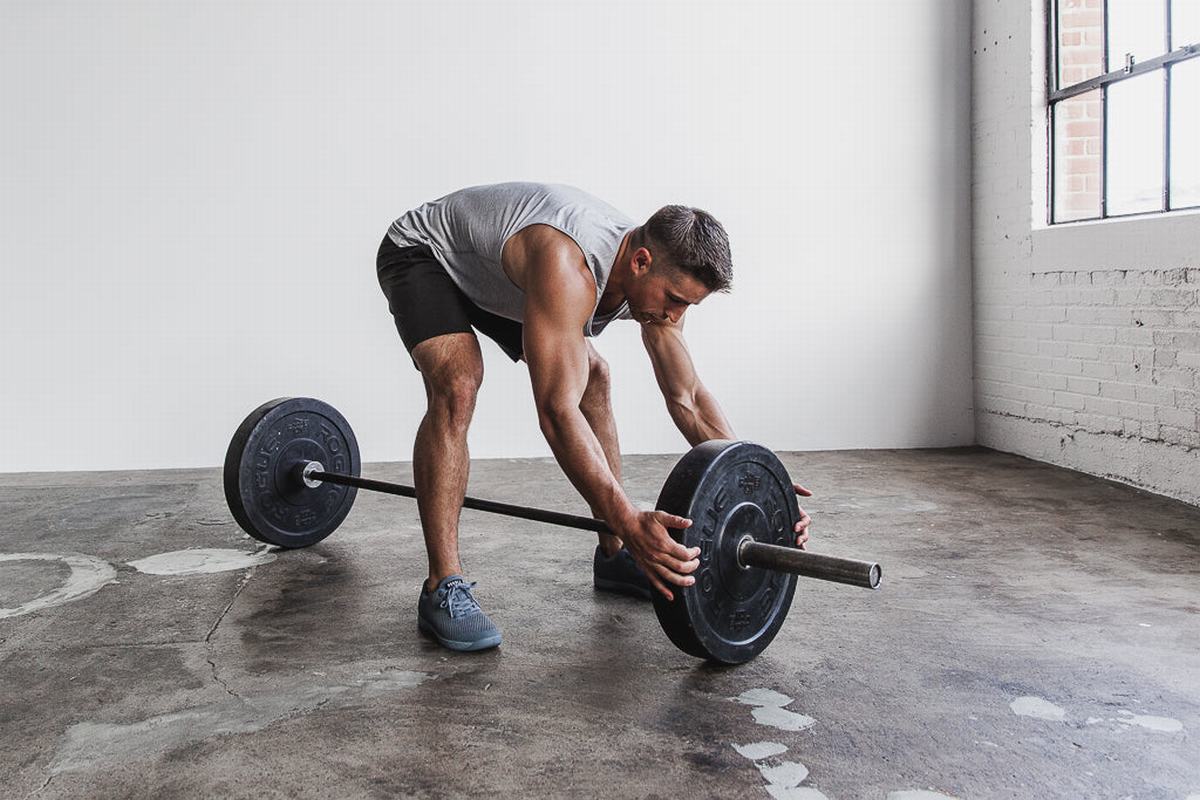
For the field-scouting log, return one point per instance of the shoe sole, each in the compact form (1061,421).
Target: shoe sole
(620,587)
(453,644)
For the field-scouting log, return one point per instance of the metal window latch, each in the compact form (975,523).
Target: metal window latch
(1128,63)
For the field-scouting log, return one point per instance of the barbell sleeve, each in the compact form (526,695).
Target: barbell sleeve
(866,574)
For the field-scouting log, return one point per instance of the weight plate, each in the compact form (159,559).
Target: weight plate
(263,484)
(729,490)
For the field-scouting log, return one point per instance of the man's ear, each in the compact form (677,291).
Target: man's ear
(642,261)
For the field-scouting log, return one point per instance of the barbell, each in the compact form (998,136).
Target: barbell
(292,472)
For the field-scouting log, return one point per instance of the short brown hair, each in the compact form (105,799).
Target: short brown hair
(691,241)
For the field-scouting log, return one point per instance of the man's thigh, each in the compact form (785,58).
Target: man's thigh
(450,363)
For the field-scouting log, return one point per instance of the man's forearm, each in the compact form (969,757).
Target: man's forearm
(700,418)
(582,458)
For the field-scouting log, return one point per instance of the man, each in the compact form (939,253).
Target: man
(540,268)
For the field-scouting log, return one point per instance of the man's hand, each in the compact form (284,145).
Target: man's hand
(805,520)
(664,560)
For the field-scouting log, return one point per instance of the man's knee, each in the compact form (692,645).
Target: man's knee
(596,395)
(453,371)
(598,376)
(452,397)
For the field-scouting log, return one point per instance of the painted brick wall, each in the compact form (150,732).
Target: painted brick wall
(1087,340)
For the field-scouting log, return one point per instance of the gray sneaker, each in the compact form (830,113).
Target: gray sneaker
(450,614)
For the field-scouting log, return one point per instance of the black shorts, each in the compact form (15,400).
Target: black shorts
(426,302)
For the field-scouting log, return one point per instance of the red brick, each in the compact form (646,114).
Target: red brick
(1083,129)
(1088,56)
(1075,18)
(1083,166)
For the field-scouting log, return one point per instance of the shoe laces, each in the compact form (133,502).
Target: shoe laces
(457,598)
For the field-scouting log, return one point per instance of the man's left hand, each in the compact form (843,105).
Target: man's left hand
(805,520)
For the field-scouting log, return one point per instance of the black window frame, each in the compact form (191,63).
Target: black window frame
(1107,77)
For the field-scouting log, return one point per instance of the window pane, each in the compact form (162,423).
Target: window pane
(1077,157)
(1138,27)
(1134,175)
(1079,40)
(1185,134)
(1185,22)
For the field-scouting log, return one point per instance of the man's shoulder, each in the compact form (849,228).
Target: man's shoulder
(545,240)
(551,249)
(541,257)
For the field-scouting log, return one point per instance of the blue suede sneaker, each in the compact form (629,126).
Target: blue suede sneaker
(450,614)
(619,574)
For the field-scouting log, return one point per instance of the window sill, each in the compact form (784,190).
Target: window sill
(1155,241)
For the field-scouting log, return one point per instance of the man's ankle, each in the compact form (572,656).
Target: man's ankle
(432,581)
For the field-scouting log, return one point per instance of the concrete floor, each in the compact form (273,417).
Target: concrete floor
(1037,636)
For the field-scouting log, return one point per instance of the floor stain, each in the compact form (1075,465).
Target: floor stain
(1160,724)
(201,561)
(1038,708)
(92,743)
(88,576)
(760,750)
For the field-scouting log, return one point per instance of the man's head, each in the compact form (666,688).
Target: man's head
(677,258)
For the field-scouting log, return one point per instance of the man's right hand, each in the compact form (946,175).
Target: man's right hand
(665,561)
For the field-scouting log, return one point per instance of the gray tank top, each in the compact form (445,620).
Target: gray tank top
(467,230)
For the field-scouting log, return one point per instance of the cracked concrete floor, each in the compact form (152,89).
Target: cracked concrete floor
(1037,636)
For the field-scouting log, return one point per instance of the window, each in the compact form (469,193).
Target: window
(1124,114)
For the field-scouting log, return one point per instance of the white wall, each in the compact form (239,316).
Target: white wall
(1087,347)
(192,195)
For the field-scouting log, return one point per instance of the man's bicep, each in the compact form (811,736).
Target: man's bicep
(557,357)
(558,302)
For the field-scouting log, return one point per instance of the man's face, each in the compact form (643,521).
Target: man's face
(661,294)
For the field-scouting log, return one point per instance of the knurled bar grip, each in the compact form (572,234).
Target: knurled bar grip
(750,553)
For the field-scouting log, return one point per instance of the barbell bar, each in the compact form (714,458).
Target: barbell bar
(750,553)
